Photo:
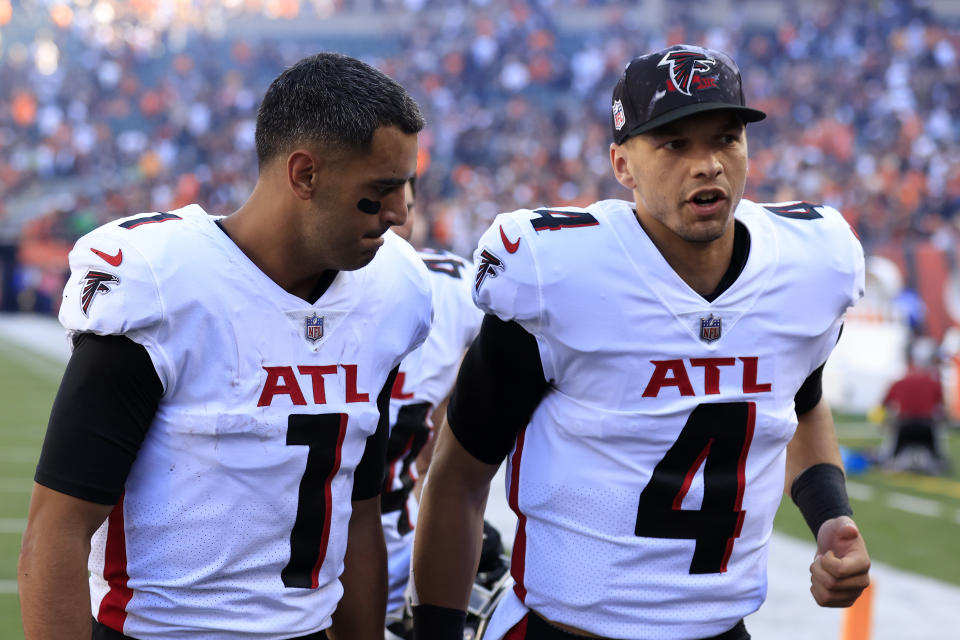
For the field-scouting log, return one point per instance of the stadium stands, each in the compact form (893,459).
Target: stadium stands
(112,107)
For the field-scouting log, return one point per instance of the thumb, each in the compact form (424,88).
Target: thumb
(839,536)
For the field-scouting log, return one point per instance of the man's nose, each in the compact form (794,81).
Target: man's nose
(394,210)
(706,164)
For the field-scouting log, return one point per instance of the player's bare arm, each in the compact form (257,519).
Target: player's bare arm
(450,526)
(840,570)
(52,571)
(360,611)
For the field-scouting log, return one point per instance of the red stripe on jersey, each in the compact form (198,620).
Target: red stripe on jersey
(328,512)
(396,466)
(113,607)
(688,479)
(741,480)
(520,541)
(518,631)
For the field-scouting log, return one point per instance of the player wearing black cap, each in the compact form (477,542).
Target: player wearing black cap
(651,371)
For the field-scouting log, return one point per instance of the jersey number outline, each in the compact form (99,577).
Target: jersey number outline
(554,220)
(323,434)
(447,266)
(142,220)
(717,436)
(798,211)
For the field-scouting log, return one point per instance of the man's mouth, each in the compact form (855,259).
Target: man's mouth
(708,197)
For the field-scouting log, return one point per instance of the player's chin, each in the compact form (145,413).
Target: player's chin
(704,231)
(366,252)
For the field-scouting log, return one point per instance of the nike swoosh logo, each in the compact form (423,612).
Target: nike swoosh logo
(113,261)
(511,247)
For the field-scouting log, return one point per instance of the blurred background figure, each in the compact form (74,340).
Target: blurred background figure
(914,414)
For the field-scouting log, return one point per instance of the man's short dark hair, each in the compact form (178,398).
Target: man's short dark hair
(334,100)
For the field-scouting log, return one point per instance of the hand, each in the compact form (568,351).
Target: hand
(840,570)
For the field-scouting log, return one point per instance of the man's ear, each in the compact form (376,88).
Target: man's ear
(621,168)
(303,169)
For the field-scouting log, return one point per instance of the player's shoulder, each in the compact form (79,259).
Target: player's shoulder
(445,265)
(526,251)
(119,271)
(398,265)
(803,219)
(546,218)
(803,228)
(145,239)
(149,228)
(807,238)
(555,235)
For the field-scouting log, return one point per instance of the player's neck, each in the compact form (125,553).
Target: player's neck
(260,231)
(701,265)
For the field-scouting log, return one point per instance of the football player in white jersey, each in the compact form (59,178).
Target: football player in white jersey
(419,400)
(220,431)
(651,372)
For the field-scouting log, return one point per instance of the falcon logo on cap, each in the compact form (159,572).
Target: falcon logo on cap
(684,65)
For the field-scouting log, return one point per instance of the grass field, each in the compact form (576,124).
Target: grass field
(27,386)
(909,522)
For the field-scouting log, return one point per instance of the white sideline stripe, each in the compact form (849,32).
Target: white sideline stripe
(859,491)
(8,586)
(16,485)
(914,505)
(13,525)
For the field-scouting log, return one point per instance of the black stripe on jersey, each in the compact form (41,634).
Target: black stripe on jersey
(499,385)
(160,217)
(370,473)
(105,405)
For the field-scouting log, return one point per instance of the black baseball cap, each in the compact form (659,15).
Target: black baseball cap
(673,83)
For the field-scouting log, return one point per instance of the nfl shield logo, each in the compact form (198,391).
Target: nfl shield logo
(314,325)
(710,328)
(618,118)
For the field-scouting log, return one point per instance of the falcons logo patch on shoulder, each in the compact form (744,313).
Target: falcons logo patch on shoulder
(683,66)
(91,284)
(489,265)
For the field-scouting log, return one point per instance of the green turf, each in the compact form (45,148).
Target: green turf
(27,386)
(900,538)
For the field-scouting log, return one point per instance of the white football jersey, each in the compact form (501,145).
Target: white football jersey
(426,376)
(647,479)
(234,515)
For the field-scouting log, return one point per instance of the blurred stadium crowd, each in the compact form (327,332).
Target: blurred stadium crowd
(109,108)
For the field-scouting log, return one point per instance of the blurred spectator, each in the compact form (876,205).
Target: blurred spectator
(915,414)
(142,106)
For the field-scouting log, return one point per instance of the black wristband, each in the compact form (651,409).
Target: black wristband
(438,623)
(820,492)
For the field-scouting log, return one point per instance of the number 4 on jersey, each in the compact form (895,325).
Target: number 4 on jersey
(717,436)
(553,220)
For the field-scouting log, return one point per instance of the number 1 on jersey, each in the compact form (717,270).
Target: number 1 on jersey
(717,436)
(323,434)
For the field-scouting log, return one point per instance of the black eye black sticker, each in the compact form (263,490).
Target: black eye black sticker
(369,206)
